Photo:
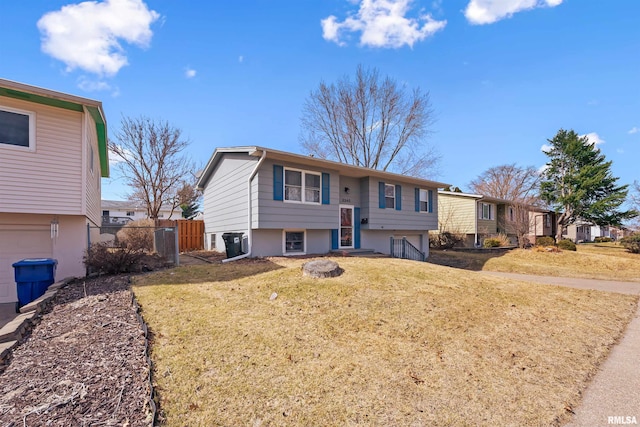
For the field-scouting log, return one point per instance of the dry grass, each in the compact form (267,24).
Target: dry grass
(592,261)
(390,342)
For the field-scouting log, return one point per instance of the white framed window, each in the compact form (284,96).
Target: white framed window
(389,196)
(294,242)
(512,214)
(424,200)
(17,128)
(547,220)
(131,213)
(485,211)
(302,186)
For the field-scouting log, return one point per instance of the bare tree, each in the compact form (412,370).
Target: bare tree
(519,186)
(371,122)
(509,182)
(152,161)
(188,197)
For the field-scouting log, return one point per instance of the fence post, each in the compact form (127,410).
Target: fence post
(404,247)
(391,247)
(177,254)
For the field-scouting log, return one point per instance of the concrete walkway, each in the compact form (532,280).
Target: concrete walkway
(613,396)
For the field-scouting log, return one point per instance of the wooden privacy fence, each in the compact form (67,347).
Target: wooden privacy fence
(190,233)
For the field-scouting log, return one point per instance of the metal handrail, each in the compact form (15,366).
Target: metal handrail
(402,248)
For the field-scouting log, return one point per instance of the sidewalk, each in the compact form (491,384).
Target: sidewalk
(613,396)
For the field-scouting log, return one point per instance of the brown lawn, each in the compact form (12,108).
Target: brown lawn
(390,342)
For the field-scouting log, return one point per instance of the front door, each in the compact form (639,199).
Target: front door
(346,226)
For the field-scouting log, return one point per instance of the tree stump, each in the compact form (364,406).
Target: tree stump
(321,268)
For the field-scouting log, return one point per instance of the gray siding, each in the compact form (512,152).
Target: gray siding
(269,242)
(225,196)
(391,219)
(379,240)
(269,213)
(353,197)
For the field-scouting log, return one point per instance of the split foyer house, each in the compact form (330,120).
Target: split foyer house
(478,217)
(290,204)
(53,153)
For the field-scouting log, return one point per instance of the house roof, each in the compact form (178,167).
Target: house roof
(489,199)
(11,89)
(130,205)
(343,168)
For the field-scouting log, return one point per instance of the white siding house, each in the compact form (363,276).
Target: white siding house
(289,204)
(123,211)
(53,153)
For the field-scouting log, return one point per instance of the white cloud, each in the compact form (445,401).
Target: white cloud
(633,130)
(241,59)
(593,138)
(87,35)
(190,73)
(114,159)
(92,85)
(489,11)
(89,85)
(545,147)
(382,23)
(620,151)
(542,169)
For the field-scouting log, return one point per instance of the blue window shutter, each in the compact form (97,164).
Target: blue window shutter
(417,195)
(326,199)
(398,198)
(334,238)
(430,201)
(381,203)
(356,228)
(278,182)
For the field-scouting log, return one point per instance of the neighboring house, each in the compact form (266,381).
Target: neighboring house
(601,231)
(578,232)
(479,217)
(586,231)
(543,224)
(53,153)
(290,204)
(122,212)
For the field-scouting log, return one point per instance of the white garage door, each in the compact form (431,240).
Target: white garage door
(16,243)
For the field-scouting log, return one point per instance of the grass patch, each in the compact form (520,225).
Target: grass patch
(605,261)
(390,342)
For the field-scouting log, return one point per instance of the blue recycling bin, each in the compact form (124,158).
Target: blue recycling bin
(33,278)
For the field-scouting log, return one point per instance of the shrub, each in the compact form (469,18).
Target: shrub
(545,241)
(445,240)
(102,258)
(491,242)
(567,245)
(137,235)
(631,243)
(503,239)
(603,239)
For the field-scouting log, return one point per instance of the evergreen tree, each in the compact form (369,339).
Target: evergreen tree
(578,183)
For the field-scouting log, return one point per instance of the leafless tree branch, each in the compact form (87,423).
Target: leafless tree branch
(370,122)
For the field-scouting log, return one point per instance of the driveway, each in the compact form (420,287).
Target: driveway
(612,397)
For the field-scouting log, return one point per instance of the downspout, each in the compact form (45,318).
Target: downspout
(249,211)
(475,237)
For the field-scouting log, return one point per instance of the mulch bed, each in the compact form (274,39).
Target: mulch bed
(83,364)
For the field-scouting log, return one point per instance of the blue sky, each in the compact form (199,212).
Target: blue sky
(503,75)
